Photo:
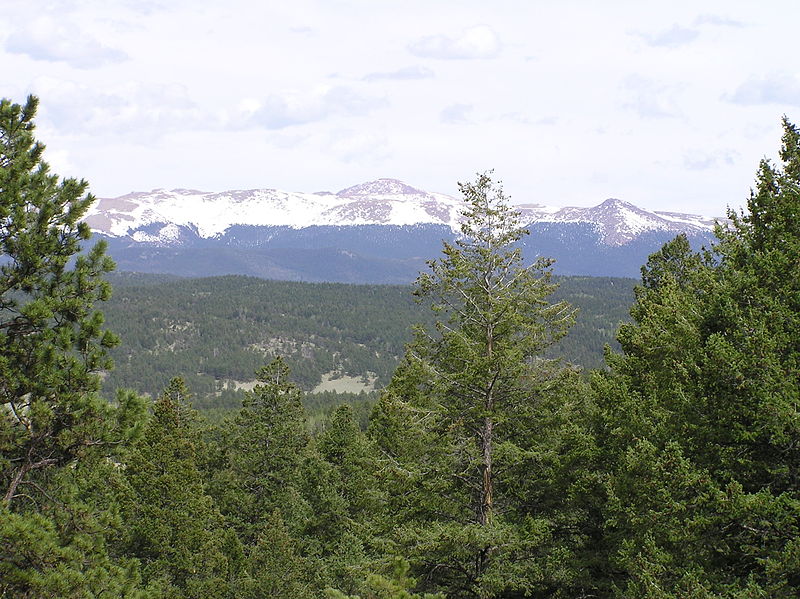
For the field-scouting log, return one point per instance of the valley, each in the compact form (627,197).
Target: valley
(337,338)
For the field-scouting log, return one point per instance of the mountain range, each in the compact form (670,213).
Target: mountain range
(376,232)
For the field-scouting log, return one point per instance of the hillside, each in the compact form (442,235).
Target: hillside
(217,331)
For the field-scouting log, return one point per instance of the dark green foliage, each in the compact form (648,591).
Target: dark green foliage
(52,342)
(268,464)
(477,429)
(393,585)
(212,330)
(346,448)
(275,566)
(700,413)
(321,406)
(602,304)
(67,543)
(264,450)
(216,331)
(39,563)
(59,442)
(174,528)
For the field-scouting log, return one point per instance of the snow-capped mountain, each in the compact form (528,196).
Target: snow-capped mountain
(377,232)
(382,202)
(619,222)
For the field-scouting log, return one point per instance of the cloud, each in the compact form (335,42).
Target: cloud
(648,99)
(718,20)
(48,39)
(136,110)
(404,74)
(771,88)
(515,117)
(358,146)
(673,37)
(456,114)
(279,111)
(701,161)
(479,41)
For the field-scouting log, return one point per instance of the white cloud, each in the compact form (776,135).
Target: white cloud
(359,146)
(136,110)
(648,99)
(404,74)
(455,114)
(479,41)
(673,37)
(701,160)
(278,111)
(709,19)
(60,163)
(771,88)
(48,39)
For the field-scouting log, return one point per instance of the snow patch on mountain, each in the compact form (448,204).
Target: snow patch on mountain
(618,222)
(167,216)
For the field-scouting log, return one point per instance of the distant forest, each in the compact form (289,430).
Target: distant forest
(213,331)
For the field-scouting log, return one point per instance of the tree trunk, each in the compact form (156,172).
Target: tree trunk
(486,503)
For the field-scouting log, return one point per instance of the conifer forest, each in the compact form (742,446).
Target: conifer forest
(496,453)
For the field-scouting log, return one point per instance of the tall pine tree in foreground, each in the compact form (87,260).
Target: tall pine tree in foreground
(55,432)
(472,426)
(52,344)
(701,410)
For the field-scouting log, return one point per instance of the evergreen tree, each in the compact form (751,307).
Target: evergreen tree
(700,413)
(459,404)
(174,528)
(39,562)
(52,344)
(57,436)
(394,585)
(277,491)
(265,451)
(275,566)
(352,461)
(348,450)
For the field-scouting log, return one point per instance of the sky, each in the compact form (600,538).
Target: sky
(668,105)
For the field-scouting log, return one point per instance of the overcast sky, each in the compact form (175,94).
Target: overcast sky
(669,105)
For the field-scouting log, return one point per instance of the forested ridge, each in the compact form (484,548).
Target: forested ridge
(216,330)
(486,468)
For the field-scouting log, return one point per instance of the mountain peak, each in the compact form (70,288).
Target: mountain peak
(380,187)
(616,203)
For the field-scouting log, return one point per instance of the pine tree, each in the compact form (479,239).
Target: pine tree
(701,409)
(346,448)
(174,528)
(450,423)
(275,566)
(52,345)
(272,472)
(38,562)
(56,435)
(265,450)
(352,476)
